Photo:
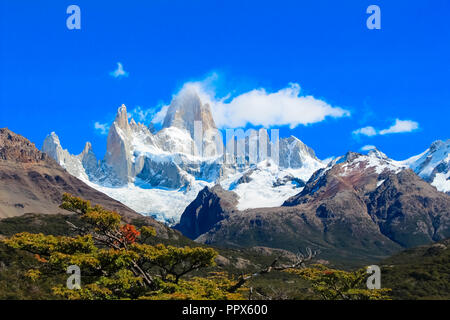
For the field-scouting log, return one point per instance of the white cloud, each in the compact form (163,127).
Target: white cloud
(160,115)
(368,147)
(259,107)
(119,72)
(141,115)
(401,126)
(101,127)
(284,107)
(367,131)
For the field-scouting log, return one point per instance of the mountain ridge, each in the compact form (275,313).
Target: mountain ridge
(141,166)
(33,182)
(146,169)
(361,207)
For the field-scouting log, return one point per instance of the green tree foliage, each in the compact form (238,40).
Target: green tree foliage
(119,261)
(116,263)
(419,273)
(332,284)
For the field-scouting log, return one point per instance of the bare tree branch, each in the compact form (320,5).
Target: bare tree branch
(299,263)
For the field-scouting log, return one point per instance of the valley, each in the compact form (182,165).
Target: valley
(356,209)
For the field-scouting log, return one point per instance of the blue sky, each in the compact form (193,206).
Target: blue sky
(55,79)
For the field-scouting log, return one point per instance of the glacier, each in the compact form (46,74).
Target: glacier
(159,173)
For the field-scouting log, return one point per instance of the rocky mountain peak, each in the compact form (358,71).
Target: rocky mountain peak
(439,144)
(185,109)
(433,165)
(295,154)
(87,148)
(209,207)
(350,156)
(297,143)
(52,147)
(54,138)
(33,183)
(377,153)
(118,156)
(81,165)
(14,147)
(348,173)
(122,118)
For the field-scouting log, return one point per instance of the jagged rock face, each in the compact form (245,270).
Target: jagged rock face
(165,159)
(33,182)
(161,160)
(162,174)
(16,148)
(52,147)
(295,154)
(137,156)
(353,173)
(433,165)
(187,108)
(211,206)
(82,166)
(89,161)
(410,211)
(358,207)
(118,154)
(289,178)
(246,177)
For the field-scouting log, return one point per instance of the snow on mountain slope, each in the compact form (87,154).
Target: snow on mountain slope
(374,159)
(165,205)
(433,165)
(80,166)
(266,184)
(160,173)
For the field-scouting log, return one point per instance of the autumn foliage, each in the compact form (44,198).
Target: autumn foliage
(129,232)
(117,263)
(332,284)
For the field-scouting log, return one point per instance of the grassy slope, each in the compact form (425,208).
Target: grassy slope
(14,263)
(419,273)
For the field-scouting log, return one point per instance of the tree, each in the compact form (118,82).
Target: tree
(116,262)
(332,284)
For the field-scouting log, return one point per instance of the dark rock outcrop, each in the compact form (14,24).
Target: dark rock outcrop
(409,211)
(209,207)
(360,208)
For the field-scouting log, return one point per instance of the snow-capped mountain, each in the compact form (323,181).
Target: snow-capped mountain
(160,173)
(352,166)
(82,166)
(358,206)
(433,165)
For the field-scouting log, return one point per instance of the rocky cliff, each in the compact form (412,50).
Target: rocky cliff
(360,207)
(433,165)
(211,206)
(32,182)
(144,168)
